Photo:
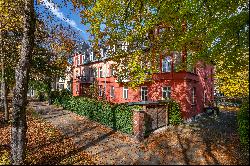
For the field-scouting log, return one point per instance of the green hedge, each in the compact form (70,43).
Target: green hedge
(115,116)
(174,113)
(243,124)
(118,116)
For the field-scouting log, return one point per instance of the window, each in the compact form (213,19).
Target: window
(204,97)
(61,86)
(193,95)
(144,93)
(125,46)
(112,70)
(166,64)
(32,92)
(166,92)
(125,92)
(112,91)
(113,49)
(83,58)
(95,72)
(78,60)
(77,87)
(91,56)
(100,90)
(100,72)
(211,74)
(77,74)
(83,72)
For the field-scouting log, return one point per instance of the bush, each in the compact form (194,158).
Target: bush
(243,124)
(115,116)
(174,113)
(4,157)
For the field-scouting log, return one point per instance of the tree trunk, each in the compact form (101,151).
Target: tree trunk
(5,101)
(19,126)
(2,81)
(2,68)
(48,82)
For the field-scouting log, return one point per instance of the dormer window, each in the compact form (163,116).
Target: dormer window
(166,64)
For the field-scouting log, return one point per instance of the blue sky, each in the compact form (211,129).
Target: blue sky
(65,15)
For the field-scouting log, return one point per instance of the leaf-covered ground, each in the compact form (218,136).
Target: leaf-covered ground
(46,145)
(210,140)
(57,136)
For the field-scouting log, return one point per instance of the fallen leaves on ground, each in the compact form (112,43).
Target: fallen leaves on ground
(46,145)
(216,142)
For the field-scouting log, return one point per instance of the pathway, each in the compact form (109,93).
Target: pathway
(209,141)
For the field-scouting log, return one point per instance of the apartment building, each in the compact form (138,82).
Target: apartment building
(192,89)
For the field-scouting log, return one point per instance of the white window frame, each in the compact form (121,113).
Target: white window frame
(83,57)
(193,95)
(112,91)
(125,92)
(100,72)
(78,59)
(145,96)
(166,64)
(204,97)
(100,90)
(167,91)
(91,56)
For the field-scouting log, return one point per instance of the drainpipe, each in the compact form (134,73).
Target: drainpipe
(105,79)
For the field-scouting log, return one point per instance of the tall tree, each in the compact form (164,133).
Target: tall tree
(215,31)
(9,24)
(19,125)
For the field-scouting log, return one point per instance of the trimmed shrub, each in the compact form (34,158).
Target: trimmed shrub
(243,124)
(115,116)
(174,113)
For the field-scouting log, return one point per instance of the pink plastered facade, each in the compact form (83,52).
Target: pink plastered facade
(192,90)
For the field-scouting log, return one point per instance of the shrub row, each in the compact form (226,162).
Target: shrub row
(243,124)
(115,116)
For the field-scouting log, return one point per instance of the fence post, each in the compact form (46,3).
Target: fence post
(167,114)
(139,124)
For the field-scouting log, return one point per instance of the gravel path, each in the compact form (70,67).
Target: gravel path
(210,140)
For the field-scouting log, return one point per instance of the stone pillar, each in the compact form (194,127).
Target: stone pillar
(138,124)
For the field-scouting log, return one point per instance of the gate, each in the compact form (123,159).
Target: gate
(155,117)
(155,114)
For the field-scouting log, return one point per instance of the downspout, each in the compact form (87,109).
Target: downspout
(105,79)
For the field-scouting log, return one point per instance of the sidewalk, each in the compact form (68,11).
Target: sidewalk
(209,141)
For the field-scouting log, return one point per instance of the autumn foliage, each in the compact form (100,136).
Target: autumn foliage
(46,144)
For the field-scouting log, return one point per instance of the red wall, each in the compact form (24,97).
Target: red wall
(181,85)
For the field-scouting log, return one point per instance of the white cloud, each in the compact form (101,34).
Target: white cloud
(55,10)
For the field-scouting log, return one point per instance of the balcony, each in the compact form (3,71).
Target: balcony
(86,79)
